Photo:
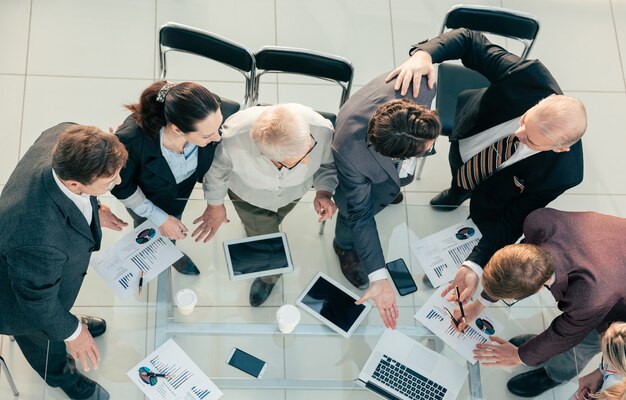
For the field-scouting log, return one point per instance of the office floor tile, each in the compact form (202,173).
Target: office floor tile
(11,113)
(14,26)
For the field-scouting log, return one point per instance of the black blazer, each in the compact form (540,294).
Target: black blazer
(147,168)
(45,246)
(499,205)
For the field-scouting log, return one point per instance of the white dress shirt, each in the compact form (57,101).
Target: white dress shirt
(84,206)
(239,165)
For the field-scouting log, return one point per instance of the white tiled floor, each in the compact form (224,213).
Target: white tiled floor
(81,60)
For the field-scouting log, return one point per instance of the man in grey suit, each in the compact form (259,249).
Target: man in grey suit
(378,138)
(51,223)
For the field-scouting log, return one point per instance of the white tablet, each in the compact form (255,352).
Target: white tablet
(333,304)
(257,256)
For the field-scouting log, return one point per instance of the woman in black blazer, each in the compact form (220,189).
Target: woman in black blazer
(170,137)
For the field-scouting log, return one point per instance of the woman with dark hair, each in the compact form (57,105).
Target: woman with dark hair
(171,137)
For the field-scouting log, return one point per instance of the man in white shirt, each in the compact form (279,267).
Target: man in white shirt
(269,157)
(51,223)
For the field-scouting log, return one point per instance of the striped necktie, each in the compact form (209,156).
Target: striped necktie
(485,163)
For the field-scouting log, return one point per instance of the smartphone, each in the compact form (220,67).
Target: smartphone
(246,363)
(401,277)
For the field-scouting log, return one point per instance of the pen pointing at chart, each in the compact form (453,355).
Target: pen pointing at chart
(140,282)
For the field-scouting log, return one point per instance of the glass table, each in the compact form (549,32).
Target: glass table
(311,362)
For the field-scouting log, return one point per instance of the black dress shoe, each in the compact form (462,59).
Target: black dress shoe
(85,388)
(519,340)
(185,266)
(351,267)
(427,282)
(96,326)
(531,383)
(260,291)
(450,199)
(398,199)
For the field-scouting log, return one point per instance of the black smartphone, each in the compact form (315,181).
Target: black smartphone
(246,363)
(401,277)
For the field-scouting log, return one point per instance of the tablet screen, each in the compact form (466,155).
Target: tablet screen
(333,304)
(258,255)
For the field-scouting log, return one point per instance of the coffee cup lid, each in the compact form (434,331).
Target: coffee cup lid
(186,298)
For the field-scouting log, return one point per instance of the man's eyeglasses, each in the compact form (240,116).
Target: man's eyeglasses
(303,157)
(430,152)
(510,302)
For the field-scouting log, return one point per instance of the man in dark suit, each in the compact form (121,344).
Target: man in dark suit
(580,257)
(378,138)
(51,223)
(514,147)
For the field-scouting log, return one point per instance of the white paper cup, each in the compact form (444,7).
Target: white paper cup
(186,300)
(288,317)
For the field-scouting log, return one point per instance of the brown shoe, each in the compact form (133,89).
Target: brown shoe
(398,199)
(351,267)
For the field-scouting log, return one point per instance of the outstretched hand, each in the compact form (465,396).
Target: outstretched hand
(210,221)
(84,349)
(411,72)
(501,354)
(385,300)
(110,220)
(466,280)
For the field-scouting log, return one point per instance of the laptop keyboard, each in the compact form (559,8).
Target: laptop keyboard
(406,381)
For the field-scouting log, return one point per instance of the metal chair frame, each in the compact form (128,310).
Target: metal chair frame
(3,365)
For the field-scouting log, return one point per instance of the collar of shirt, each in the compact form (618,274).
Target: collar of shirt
(81,201)
(188,150)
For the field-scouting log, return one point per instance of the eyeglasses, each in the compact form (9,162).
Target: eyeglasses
(511,302)
(303,157)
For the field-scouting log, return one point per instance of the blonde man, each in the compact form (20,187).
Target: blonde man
(580,257)
(270,156)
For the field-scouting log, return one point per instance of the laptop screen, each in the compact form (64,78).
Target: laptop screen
(333,304)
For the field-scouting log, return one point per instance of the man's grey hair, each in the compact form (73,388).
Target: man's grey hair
(281,134)
(562,119)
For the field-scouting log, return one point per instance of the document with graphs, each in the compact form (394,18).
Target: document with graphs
(441,253)
(433,316)
(140,255)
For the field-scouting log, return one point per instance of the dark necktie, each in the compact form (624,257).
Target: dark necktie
(95,228)
(486,162)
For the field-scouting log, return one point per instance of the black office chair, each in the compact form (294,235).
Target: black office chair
(182,38)
(3,366)
(452,79)
(328,67)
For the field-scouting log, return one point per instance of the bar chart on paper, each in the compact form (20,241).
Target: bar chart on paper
(143,250)
(183,378)
(441,253)
(433,317)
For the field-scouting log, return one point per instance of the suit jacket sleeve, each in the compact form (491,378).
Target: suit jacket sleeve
(129,172)
(358,191)
(474,51)
(35,273)
(506,227)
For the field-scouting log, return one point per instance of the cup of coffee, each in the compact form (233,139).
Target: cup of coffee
(185,300)
(288,316)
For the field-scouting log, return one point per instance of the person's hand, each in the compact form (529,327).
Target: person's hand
(212,218)
(501,354)
(173,229)
(588,384)
(110,220)
(411,71)
(385,300)
(84,348)
(471,310)
(324,206)
(466,280)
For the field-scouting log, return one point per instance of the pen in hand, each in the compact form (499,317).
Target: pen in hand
(140,282)
(456,323)
(458,299)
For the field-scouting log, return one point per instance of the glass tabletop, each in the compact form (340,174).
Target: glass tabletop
(313,360)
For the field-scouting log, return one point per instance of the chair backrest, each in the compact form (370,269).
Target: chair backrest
(328,67)
(182,38)
(453,79)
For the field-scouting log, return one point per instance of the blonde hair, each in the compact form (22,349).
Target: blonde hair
(562,119)
(615,392)
(280,134)
(517,271)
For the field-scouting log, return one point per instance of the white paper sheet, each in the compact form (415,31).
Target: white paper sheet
(143,249)
(185,380)
(433,317)
(441,253)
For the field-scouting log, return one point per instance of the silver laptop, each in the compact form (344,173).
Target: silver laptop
(401,368)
